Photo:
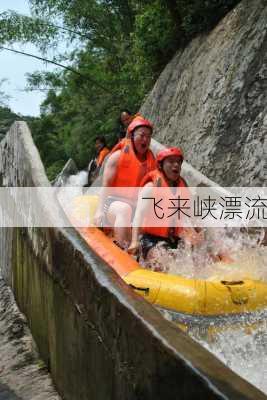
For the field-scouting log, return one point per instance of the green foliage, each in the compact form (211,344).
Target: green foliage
(7,117)
(15,27)
(154,40)
(119,48)
(3,96)
(55,168)
(200,16)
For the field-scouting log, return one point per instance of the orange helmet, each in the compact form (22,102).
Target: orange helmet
(171,151)
(137,123)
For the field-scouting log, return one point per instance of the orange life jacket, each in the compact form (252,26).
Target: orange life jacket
(119,145)
(158,179)
(130,170)
(101,156)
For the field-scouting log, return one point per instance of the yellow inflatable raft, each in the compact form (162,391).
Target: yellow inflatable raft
(172,292)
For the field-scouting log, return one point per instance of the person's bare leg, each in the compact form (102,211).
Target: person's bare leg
(120,216)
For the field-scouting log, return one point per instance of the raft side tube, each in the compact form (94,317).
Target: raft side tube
(200,297)
(172,292)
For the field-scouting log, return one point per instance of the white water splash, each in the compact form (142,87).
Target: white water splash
(249,259)
(72,189)
(242,349)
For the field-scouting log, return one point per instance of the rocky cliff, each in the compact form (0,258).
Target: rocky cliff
(211,99)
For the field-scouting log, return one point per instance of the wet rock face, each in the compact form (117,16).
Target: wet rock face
(212,99)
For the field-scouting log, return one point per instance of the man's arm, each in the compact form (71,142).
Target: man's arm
(109,175)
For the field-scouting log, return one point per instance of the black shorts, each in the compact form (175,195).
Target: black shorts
(147,242)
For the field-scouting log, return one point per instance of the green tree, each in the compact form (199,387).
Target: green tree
(117,50)
(7,117)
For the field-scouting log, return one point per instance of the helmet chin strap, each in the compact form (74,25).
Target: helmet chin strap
(134,148)
(132,141)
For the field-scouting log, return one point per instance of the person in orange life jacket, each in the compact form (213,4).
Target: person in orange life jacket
(126,118)
(102,150)
(95,165)
(125,167)
(167,174)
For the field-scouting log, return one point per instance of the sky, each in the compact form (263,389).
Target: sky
(13,67)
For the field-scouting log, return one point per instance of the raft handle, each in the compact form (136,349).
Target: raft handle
(239,295)
(146,290)
(232,283)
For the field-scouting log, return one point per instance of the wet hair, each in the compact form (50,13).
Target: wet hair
(101,139)
(123,111)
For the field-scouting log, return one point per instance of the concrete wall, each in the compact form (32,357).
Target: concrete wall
(100,340)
